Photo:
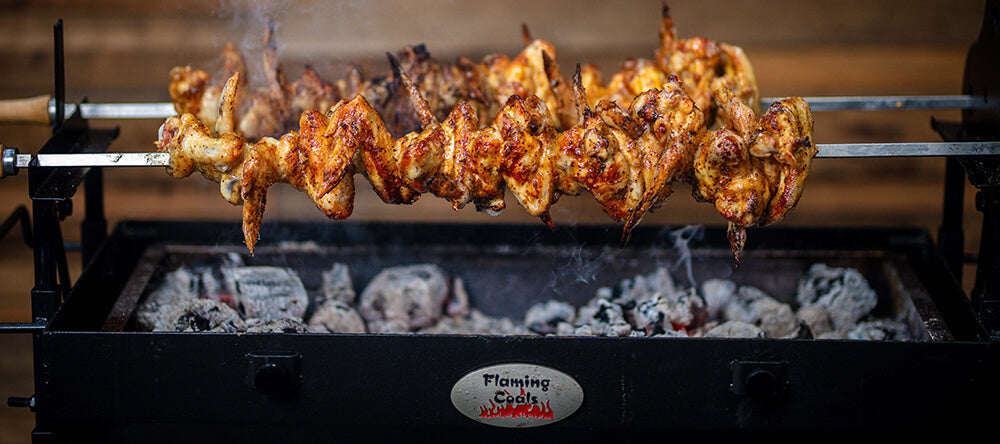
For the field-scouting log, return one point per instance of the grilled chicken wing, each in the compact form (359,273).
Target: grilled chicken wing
(753,169)
(627,159)
(702,65)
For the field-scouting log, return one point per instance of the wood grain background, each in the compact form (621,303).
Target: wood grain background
(121,51)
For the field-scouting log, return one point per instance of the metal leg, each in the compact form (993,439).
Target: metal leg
(986,292)
(951,238)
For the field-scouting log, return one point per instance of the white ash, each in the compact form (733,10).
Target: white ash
(177,286)
(844,293)
(618,329)
(740,306)
(817,318)
(284,325)
(423,299)
(412,295)
(879,330)
(599,313)
(387,326)
(268,293)
(670,334)
(458,302)
(335,316)
(545,317)
(735,329)
(775,318)
(198,315)
(718,294)
(476,323)
(642,287)
(337,285)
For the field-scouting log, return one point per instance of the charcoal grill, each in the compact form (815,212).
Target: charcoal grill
(97,380)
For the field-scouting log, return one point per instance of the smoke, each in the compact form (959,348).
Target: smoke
(250,20)
(681,239)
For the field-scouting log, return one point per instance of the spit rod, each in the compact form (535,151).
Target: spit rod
(42,109)
(13,161)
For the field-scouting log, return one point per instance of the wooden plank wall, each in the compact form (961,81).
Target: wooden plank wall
(121,50)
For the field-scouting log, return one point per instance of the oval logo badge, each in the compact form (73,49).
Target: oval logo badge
(517,395)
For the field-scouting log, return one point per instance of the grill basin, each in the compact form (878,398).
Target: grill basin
(141,384)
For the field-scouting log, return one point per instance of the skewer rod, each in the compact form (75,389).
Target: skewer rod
(874,103)
(13,160)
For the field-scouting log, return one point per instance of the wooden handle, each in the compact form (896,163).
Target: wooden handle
(30,110)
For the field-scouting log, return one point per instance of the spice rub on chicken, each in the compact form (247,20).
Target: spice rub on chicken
(628,159)
(701,64)
(753,169)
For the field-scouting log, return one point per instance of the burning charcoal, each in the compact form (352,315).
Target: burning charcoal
(649,315)
(880,330)
(387,326)
(178,285)
(660,313)
(285,325)
(718,293)
(617,330)
(817,318)
(565,329)
(844,292)
(671,334)
(775,318)
(735,329)
(337,285)
(545,317)
(599,313)
(413,296)
(643,287)
(205,315)
(739,309)
(458,303)
(802,331)
(833,334)
(476,323)
(335,316)
(268,293)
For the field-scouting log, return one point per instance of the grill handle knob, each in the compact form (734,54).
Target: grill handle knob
(759,379)
(275,374)
(272,379)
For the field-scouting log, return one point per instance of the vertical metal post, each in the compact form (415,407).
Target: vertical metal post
(60,77)
(94,228)
(951,237)
(986,292)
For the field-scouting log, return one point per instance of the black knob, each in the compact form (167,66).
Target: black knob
(273,379)
(761,384)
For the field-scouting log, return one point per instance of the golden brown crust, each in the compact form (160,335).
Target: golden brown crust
(702,65)
(753,169)
(626,159)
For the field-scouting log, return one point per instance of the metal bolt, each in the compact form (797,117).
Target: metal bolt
(9,160)
(17,401)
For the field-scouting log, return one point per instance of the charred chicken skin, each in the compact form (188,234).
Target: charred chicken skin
(627,159)
(753,169)
(702,65)
(468,132)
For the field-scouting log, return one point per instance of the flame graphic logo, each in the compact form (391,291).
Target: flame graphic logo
(542,411)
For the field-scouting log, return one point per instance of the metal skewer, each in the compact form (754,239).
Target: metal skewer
(13,161)
(43,110)
(846,103)
(874,103)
